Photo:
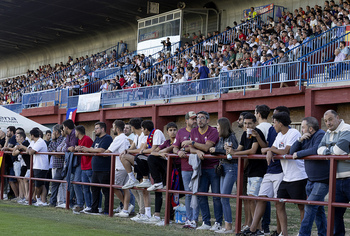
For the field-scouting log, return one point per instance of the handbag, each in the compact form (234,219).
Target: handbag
(219,169)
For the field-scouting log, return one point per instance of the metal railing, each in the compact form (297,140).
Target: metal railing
(328,72)
(270,74)
(331,204)
(194,88)
(324,53)
(313,44)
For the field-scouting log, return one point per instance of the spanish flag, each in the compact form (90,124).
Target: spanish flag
(1,157)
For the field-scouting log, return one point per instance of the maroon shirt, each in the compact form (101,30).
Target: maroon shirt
(183,135)
(168,144)
(211,135)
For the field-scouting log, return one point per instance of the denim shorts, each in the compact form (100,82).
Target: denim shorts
(253,185)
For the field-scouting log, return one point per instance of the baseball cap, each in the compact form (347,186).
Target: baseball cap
(190,114)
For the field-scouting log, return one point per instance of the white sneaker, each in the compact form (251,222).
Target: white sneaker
(86,209)
(142,219)
(62,205)
(38,203)
(135,218)
(204,227)
(122,214)
(130,184)
(224,231)
(44,204)
(162,223)
(153,220)
(155,187)
(100,210)
(117,210)
(190,224)
(145,184)
(281,234)
(216,227)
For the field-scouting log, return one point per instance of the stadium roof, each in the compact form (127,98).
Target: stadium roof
(28,24)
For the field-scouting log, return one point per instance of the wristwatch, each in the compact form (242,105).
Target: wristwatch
(184,149)
(193,142)
(299,140)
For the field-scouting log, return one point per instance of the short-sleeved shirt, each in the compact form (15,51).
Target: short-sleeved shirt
(119,144)
(264,127)
(293,170)
(183,135)
(139,140)
(275,166)
(26,157)
(12,140)
(256,167)
(40,161)
(158,138)
(86,141)
(211,135)
(204,72)
(101,163)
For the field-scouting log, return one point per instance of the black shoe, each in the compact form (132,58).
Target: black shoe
(90,212)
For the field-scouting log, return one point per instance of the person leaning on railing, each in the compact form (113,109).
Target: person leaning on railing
(336,142)
(40,165)
(229,168)
(101,166)
(182,136)
(203,138)
(318,175)
(157,162)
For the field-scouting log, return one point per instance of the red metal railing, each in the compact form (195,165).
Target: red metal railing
(239,197)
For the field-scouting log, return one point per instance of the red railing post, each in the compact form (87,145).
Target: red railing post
(30,197)
(331,195)
(239,185)
(111,189)
(168,187)
(67,195)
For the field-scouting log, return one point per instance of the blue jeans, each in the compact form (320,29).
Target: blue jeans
(76,176)
(191,214)
(342,194)
(86,177)
(210,178)
(77,187)
(315,191)
(226,184)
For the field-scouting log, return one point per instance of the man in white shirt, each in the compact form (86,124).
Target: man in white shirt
(119,145)
(295,178)
(261,114)
(40,165)
(128,132)
(127,159)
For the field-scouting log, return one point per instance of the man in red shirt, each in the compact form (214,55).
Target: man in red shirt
(86,170)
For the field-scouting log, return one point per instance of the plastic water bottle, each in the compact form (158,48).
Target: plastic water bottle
(229,144)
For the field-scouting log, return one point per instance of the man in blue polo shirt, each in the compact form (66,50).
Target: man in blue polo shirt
(318,175)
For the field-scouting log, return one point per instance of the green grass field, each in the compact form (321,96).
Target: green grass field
(17,219)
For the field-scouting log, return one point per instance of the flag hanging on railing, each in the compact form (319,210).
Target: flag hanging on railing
(71,113)
(1,156)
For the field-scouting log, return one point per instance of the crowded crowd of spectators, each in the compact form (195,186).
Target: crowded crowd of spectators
(141,152)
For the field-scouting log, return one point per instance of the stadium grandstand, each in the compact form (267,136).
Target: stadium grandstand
(168,61)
